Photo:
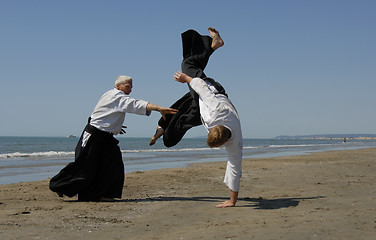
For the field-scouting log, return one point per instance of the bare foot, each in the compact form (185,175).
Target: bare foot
(225,204)
(158,133)
(217,40)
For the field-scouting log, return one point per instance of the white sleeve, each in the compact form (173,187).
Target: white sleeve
(206,95)
(131,105)
(234,165)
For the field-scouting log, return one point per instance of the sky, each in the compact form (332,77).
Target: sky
(291,67)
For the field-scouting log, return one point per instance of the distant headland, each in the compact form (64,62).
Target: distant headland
(329,136)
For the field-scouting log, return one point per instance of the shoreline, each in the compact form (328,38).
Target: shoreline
(39,170)
(323,195)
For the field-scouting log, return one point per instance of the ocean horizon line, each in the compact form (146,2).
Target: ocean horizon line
(308,136)
(32,158)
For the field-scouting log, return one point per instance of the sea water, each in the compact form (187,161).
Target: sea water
(36,158)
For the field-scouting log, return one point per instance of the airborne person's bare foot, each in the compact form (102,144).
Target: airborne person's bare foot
(217,40)
(158,133)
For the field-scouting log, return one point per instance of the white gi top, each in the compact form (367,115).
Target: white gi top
(109,114)
(217,109)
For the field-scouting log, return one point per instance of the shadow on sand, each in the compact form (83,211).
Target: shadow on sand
(257,203)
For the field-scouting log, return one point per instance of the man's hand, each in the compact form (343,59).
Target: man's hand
(165,111)
(162,110)
(182,77)
(224,204)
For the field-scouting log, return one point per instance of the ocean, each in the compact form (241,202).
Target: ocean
(35,158)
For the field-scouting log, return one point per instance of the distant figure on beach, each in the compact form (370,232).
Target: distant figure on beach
(97,174)
(207,103)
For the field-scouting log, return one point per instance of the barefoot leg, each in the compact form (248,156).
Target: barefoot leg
(158,133)
(217,40)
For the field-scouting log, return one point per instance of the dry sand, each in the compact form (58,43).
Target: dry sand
(329,195)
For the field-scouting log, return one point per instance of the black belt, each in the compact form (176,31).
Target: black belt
(217,86)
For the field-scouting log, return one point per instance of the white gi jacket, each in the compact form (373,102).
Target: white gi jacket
(217,109)
(109,113)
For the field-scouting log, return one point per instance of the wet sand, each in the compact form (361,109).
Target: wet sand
(327,195)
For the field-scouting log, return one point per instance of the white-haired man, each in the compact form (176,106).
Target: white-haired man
(97,174)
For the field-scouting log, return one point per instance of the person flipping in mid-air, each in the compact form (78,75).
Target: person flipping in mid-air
(207,103)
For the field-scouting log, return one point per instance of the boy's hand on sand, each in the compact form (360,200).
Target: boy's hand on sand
(224,204)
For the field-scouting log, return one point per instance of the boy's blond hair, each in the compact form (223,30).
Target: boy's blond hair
(217,136)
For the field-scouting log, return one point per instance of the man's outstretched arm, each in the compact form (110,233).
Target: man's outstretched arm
(162,110)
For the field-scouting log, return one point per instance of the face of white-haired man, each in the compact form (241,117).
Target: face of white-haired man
(126,87)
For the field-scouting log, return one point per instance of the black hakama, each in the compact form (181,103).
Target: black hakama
(196,53)
(98,169)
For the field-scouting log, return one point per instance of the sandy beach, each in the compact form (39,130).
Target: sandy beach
(327,195)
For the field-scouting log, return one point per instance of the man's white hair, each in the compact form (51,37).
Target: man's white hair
(122,79)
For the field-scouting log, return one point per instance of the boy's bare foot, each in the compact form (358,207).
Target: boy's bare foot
(158,133)
(217,40)
(225,204)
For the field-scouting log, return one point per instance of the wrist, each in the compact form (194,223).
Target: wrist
(188,79)
(153,107)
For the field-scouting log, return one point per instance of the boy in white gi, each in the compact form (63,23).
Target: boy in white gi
(207,104)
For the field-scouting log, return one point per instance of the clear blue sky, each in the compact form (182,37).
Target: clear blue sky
(290,67)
